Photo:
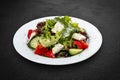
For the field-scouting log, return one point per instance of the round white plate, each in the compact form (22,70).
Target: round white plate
(20,41)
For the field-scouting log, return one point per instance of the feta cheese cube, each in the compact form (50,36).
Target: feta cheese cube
(78,36)
(57,48)
(58,27)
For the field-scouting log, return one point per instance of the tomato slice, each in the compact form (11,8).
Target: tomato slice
(81,44)
(40,50)
(78,44)
(84,44)
(49,54)
(29,33)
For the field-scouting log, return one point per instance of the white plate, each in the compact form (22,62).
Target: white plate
(20,40)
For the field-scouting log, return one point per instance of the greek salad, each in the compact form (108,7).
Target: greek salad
(58,37)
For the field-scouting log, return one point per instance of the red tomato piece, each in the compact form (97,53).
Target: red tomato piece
(49,54)
(81,44)
(78,44)
(84,44)
(29,33)
(40,50)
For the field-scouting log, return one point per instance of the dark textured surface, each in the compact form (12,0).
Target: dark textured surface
(104,14)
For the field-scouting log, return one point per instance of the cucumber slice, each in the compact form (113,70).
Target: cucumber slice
(75,51)
(33,43)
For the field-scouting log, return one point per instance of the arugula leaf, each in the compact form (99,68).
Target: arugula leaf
(49,40)
(64,20)
(67,19)
(51,23)
(75,25)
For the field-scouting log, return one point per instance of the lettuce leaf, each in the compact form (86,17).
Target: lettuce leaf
(53,39)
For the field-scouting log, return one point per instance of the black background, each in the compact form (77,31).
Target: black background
(104,14)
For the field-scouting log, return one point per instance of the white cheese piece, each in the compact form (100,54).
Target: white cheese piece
(78,36)
(58,27)
(57,48)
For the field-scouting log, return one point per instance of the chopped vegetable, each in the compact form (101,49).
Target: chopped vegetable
(84,44)
(40,50)
(29,33)
(40,25)
(34,42)
(75,51)
(49,54)
(47,42)
(80,44)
